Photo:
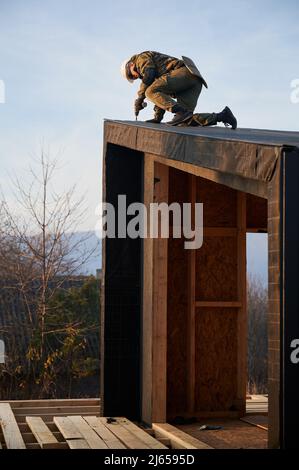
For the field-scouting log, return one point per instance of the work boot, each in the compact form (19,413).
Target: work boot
(181,115)
(227,117)
(158,116)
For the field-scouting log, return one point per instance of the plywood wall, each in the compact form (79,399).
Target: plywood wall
(206,357)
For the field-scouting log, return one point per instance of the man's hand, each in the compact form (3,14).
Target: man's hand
(138,106)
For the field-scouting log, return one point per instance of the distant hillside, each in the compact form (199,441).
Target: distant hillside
(92,244)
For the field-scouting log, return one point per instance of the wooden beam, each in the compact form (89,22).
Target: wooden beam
(147,325)
(242,311)
(217,304)
(12,435)
(21,418)
(255,187)
(159,333)
(191,305)
(178,438)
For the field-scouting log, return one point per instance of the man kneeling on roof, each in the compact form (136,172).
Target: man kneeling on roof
(172,85)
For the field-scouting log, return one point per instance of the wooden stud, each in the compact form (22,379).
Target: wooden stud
(191,305)
(148,247)
(159,333)
(242,311)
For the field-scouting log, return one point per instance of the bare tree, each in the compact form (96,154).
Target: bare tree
(257,336)
(39,253)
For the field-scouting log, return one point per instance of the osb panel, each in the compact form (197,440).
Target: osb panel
(178,186)
(216,359)
(234,434)
(219,203)
(256,212)
(216,269)
(177,327)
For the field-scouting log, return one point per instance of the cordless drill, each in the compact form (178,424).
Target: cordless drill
(144,105)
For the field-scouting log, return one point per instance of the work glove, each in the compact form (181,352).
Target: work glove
(138,106)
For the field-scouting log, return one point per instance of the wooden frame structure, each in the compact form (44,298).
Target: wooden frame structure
(174,325)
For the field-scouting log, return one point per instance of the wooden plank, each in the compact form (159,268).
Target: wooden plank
(258,188)
(216,304)
(143,436)
(58,410)
(67,428)
(147,325)
(77,444)
(21,418)
(178,438)
(12,435)
(220,231)
(191,306)
(126,437)
(105,434)
(92,438)
(41,432)
(209,414)
(159,332)
(77,402)
(70,432)
(242,297)
(59,445)
(24,428)
(28,436)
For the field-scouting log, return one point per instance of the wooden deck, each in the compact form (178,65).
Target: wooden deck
(257,404)
(248,432)
(77,424)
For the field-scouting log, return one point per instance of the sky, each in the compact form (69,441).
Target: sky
(60,59)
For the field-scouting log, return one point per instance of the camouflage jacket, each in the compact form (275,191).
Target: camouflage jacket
(151,65)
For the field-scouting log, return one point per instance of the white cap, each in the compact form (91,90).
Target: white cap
(125,71)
